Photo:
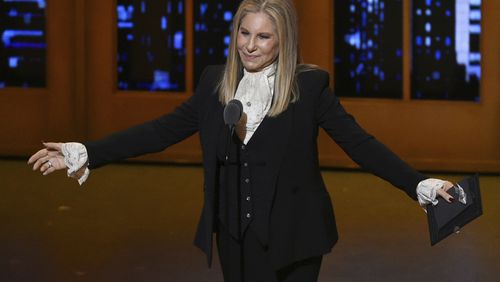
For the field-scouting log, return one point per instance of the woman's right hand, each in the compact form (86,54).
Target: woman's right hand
(48,159)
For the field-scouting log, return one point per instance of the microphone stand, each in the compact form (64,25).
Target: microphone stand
(232,113)
(227,179)
(228,141)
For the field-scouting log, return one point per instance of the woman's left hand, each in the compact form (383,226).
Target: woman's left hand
(428,190)
(443,191)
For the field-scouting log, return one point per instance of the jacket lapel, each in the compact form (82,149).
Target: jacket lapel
(271,137)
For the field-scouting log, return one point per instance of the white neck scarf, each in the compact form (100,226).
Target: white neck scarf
(255,91)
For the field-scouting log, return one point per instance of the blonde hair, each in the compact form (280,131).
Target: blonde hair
(283,15)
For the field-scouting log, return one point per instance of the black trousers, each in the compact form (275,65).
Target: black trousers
(247,261)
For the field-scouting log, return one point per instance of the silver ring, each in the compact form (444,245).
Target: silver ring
(49,163)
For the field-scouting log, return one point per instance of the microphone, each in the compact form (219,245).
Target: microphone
(232,113)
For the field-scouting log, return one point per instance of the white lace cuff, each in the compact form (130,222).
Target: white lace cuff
(75,157)
(84,177)
(426,191)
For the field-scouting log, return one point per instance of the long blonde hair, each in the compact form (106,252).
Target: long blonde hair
(283,15)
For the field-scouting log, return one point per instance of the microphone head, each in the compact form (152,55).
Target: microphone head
(232,112)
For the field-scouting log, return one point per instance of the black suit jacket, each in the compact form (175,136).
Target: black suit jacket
(294,217)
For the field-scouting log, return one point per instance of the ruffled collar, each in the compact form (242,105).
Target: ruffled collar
(267,71)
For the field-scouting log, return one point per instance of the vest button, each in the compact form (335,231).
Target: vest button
(245,164)
(248,198)
(248,215)
(243,147)
(247,180)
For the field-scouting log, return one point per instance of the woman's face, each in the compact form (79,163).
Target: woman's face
(257,42)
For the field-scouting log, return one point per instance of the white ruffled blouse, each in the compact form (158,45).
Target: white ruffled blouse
(255,91)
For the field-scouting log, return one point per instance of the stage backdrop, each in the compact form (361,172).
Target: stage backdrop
(91,88)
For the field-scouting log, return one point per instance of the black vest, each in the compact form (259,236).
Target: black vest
(239,197)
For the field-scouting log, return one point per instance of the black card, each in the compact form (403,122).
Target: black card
(446,218)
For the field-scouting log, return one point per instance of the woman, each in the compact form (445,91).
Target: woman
(264,195)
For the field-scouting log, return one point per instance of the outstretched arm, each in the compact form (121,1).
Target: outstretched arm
(365,150)
(149,137)
(152,136)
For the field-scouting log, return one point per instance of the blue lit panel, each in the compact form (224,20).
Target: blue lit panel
(22,47)
(446,61)
(368,48)
(151,45)
(212,27)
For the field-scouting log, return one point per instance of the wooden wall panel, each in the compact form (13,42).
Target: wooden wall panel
(29,115)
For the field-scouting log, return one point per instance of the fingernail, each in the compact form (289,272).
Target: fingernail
(451,200)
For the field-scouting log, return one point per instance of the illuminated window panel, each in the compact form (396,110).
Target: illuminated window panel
(212,29)
(368,48)
(151,45)
(23,45)
(446,62)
